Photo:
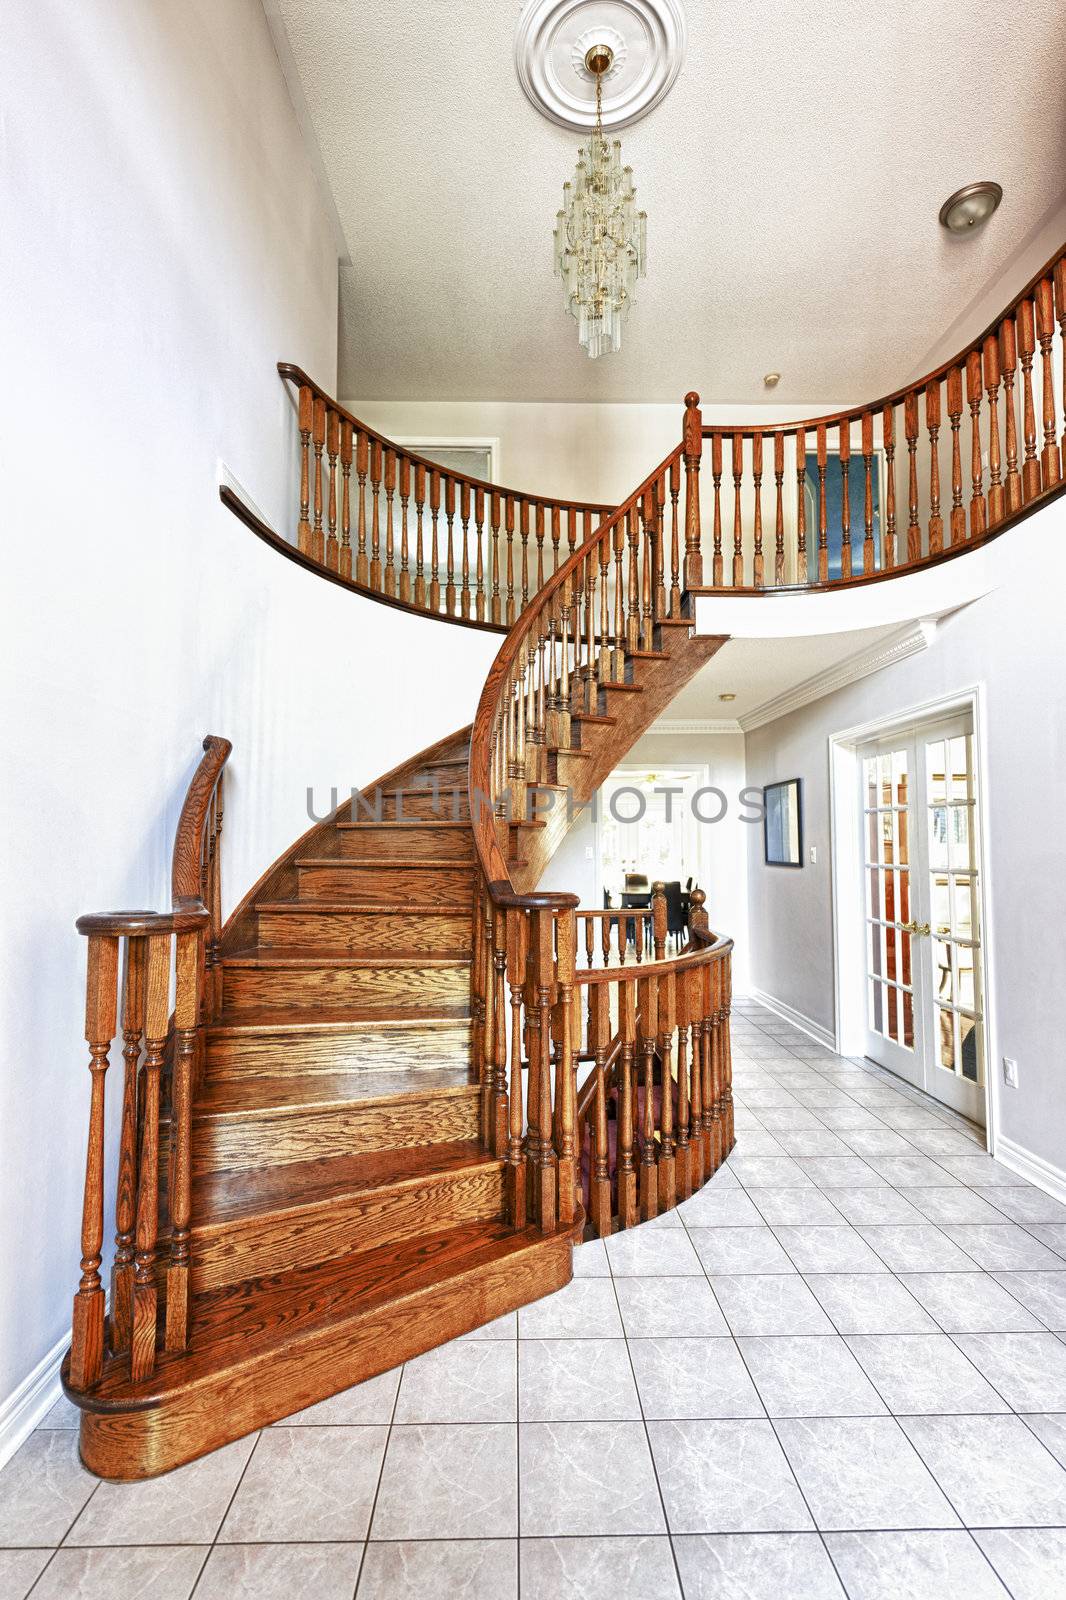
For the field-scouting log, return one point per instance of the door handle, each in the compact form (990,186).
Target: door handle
(919,929)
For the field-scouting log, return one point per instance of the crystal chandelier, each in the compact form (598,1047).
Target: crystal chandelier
(600,236)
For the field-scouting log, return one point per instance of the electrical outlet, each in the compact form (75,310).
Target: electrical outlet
(589,853)
(814,855)
(1010,1072)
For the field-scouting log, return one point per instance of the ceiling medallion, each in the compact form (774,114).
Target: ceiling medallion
(600,236)
(647,42)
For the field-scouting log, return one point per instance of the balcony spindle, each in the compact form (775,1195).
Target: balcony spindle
(618,654)
(888,433)
(633,608)
(675,538)
(332,449)
(496,610)
(319,440)
(658,491)
(346,500)
(539,533)
(464,517)
(1060,308)
(449,571)
(306,422)
(1008,362)
(974,396)
(910,428)
(375,514)
(997,500)
(523,524)
(556,536)
(627,1173)
(823,513)
(509,528)
(405,538)
(362,450)
(844,452)
(420,550)
(717,570)
(958,513)
(868,549)
(738,522)
(647,600)
(758,566)
(1051,467)
(801,505)
(101,1004)
(692,439)
(1027,344)
(932,423)
(390,539)
(434,541)
(479,545)
(779,518)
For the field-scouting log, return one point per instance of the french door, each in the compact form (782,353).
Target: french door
(922,923)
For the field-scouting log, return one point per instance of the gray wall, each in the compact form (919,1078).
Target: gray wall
(1010,643)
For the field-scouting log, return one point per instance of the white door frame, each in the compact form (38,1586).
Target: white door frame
(849,978)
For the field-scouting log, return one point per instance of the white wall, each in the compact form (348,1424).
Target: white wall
(1010,644)
(721,864)
(164,244)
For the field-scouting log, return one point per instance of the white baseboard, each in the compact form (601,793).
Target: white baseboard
(33,1399)
(805,1024)
(1034,1169)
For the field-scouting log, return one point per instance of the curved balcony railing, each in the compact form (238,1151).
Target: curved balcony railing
(376,516)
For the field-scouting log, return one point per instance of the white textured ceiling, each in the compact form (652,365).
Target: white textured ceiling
(758,670)
(792,179)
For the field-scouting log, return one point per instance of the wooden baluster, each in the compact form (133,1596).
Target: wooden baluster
(571,530)
(186,1016)
(718,1144)
(1060,308)
(479,536)
(888,434)
(497,1027)
(605,940)
(823,515)
(633,609)
(649,1027)
(496,609)
(1050,465)
(758,562)
(717,568)
(726,994)
(464,516)
(667,1149)
(697,1167)
(557,533)
(390,540)
(675,538)
(618,655)
(932,423)
(647,585)
(420,554)
(844,452)
(996,496)
(319,439)
(658,919)
(523,527)
(599,1169)
(684,1148)
(434,544)
(627,1172)
(405,549)
(692,438)
(712,1114)
(1027,343)
(345,566)
(605,663)
(910,427)
(126,1186)
(974,395)
(868,546)
(517,944)
(157,990)
(957,523)
(658,499)
(779,518)
(563,707)
(362,450)
(738,531)
(801,505)
(544,1177)
(538,528)
(510,561)
(566,1071)
(332,450)
(306,419)
(101,1005)
(449,514)
(1008,363)
(375,514)
(587,923)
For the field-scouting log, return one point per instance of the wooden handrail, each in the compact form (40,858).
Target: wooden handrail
(134,957)
(409,531)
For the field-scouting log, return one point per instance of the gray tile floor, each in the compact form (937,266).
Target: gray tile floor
(839,1370)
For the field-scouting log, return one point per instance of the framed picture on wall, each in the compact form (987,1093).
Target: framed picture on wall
(783,824)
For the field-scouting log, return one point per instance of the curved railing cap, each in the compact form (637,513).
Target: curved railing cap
(188,841)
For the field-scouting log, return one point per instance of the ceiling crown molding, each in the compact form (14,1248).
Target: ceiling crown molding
(692,725)
(909,640)
(648,40)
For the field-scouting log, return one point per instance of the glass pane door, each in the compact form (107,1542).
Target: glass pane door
(893,1013)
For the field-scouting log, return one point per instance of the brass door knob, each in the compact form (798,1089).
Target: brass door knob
(919,929)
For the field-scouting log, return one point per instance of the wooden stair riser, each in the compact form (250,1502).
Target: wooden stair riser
(262,1245)
(256,989)
(396,932)
(449,805)
(276,1136)
(237,1399)
(377,882)
(274,1053)
(405,842)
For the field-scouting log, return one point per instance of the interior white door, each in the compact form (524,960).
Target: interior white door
(925,1017)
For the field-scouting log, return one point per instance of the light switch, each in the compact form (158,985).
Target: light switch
(814,855)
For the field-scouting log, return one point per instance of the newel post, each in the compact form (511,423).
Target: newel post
(692,444)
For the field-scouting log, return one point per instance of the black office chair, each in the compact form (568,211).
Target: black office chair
(676,919)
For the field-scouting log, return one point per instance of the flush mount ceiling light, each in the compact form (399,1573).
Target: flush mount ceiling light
(970,206)
(771,380)
(727,697)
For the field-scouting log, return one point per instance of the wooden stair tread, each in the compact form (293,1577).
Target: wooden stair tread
(253,1096)
(624,688)
(408,865)
(310,956)
(601,719)
(240,1323)
(406,822)
(349,1020)
(224,1196)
